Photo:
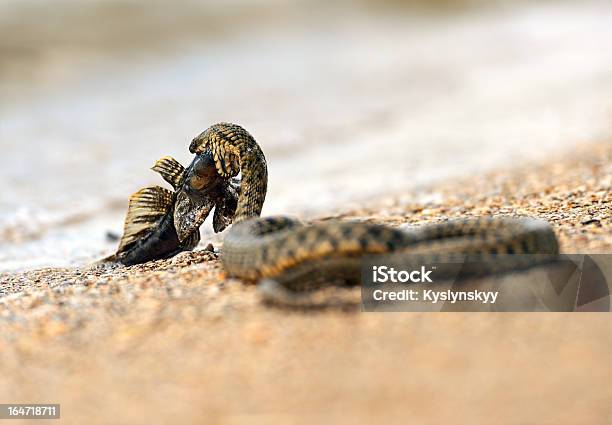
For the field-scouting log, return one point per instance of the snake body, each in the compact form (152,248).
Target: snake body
(289,257)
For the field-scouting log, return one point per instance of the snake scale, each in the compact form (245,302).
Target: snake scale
(289,258)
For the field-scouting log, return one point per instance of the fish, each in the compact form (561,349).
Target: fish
(161,223)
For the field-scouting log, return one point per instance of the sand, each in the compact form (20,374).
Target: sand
(175,341)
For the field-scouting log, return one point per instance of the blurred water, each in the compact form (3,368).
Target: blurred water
(344,112)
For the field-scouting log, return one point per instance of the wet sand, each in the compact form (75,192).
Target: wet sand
(175,341)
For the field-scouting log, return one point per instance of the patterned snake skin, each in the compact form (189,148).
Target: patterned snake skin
(289,258)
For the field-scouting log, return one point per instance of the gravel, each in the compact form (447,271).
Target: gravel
(176,341)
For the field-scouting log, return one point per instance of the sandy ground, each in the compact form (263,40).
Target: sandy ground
(176,342)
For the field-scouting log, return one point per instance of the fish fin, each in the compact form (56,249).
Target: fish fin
(190,213)
(226,209)
(110,259)
(146,208)
(170,169)
(192,240)
(221,220)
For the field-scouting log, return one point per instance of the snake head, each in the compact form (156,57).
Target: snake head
(204,188)
(201,176)
(197,195)
(223,140)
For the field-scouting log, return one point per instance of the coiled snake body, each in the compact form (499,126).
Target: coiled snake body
(289,258)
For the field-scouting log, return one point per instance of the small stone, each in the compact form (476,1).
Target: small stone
(112,236)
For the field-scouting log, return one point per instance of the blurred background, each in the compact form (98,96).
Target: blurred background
(350,100)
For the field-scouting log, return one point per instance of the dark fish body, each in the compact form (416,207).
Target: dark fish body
(162,243)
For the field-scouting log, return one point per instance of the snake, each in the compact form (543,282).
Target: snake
(289,259)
